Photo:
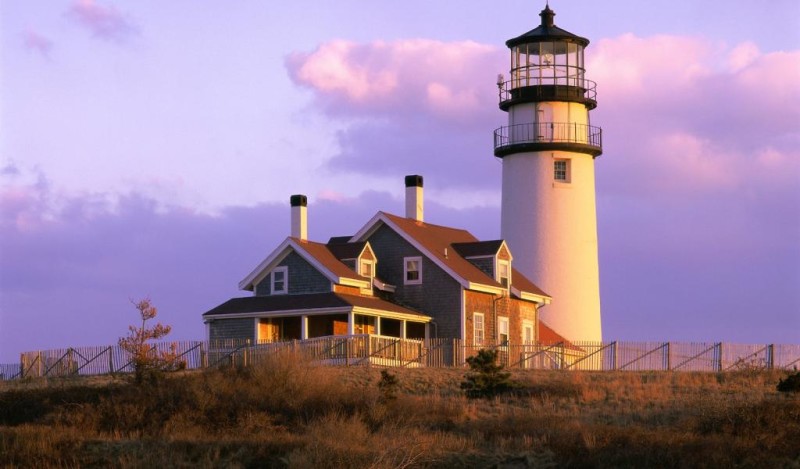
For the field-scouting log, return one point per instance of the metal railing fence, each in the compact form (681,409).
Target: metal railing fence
(368,349)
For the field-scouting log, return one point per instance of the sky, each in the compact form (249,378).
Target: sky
(148,149)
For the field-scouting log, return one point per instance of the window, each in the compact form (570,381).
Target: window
(561,170)
(412,270)
(503,273)
(366,269)
(477,326)
(280,280)
(502,330)
(527,332)
(364,324)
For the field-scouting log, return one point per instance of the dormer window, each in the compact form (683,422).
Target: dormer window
(412,270)
(504,273)
(280,281)
(366,269)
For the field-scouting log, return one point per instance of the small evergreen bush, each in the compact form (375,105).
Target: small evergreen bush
(487,378)
(387,386)
(790,384)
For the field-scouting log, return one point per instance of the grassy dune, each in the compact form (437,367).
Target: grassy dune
(285,414)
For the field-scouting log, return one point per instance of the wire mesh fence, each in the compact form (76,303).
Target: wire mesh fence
(368,349)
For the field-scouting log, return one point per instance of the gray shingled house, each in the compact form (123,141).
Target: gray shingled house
(396,277)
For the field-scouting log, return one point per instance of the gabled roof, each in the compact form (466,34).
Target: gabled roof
(524,285)
(316,254)
(548,336)
(319,303)
(439,243)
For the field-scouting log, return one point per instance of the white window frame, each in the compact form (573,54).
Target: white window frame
(528,324)
(507,264)
(366,262)
(567,170)
(478,339)
(285,289)
(503,323)
(406,261)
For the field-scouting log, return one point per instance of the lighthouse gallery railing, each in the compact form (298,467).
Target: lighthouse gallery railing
(548,132)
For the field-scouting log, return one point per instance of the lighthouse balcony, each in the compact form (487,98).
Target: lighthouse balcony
(548,136)
(526,89)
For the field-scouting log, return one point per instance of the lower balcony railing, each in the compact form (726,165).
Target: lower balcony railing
(536,136)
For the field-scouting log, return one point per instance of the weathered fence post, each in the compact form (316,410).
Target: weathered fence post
(203,356)
(770,356)
(614,357)
(110,351)
(719,356)
(666,353)
(40,364)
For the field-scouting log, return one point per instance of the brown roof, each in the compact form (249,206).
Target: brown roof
(436,239)
(548,336)
(520,281)
(298,303)
(324,256)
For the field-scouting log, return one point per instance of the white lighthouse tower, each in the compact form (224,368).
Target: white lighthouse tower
(548,149)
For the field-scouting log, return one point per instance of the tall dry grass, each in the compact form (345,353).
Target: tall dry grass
(285,413)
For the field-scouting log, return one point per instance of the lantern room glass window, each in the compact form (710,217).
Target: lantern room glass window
(547,63)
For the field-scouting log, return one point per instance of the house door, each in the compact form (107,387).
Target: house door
(268,331)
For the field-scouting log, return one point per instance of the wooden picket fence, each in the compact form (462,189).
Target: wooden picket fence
(368,350)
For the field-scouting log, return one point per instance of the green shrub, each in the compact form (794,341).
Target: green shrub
(790,384)
(487,378)
(387,386)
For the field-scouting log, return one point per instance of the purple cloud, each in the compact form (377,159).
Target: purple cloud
(692,106)
(104,22)
(35,42)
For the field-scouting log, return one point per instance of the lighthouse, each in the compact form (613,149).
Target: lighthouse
(548,149)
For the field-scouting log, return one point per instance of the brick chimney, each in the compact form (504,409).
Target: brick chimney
(299,204)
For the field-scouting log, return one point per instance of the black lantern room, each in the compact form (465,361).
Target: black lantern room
(547,95)
(547,64)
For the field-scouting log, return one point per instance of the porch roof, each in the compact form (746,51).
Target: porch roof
(310,304)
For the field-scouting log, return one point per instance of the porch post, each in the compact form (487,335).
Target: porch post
(378,321)
(304,327)
(403,329)
(350,322)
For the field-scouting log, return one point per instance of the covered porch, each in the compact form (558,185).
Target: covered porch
(282,328)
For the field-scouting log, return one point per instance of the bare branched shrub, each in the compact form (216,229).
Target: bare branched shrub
(148,361)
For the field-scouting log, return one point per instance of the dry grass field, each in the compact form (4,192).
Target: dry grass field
(283,414)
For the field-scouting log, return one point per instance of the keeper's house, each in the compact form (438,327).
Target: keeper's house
(396,277)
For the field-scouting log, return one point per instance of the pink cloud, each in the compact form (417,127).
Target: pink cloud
(416,75)
(104,22)
(36,42)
